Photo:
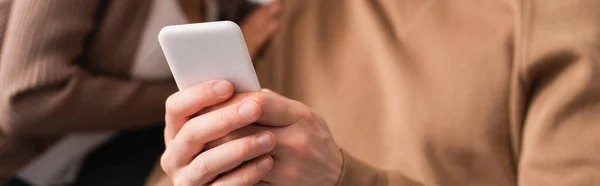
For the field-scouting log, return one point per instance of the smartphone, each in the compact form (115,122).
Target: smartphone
(208,51)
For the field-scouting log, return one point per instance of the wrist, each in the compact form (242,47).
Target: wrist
(357,172)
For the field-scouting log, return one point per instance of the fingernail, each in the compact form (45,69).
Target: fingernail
(275,6)
(221,88)
(264,164)
(247,109)
(273,26)
(264,141)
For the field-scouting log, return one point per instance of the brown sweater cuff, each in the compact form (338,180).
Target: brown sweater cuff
(358,173)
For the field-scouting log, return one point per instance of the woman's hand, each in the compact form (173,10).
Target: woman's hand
(259,26)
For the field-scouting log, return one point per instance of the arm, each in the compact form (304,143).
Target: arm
(14,153)
(560,75)
(46,93)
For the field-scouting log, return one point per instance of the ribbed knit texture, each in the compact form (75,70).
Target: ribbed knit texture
(64,67)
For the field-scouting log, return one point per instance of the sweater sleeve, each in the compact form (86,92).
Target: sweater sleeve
(46,93)
(359,173)
(560,75)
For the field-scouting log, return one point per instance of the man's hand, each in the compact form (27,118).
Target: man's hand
(244,154)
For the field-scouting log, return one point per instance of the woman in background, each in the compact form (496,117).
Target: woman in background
(74,73)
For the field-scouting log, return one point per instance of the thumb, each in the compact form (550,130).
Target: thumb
(279,111)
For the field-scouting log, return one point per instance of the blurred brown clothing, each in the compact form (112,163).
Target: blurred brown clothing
(65,67)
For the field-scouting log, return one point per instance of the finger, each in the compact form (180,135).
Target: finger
(207,127)
(278,151)
(259,26)
(248,174)
(268,10)
(259,19)
(265,32)
(237,134)
(272,27)
(274,7)
(281,173)
(207,165)
(276,110)
(262,183)
(279,111)
(185,103)
(267,19)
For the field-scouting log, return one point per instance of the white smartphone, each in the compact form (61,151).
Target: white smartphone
(208,51)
